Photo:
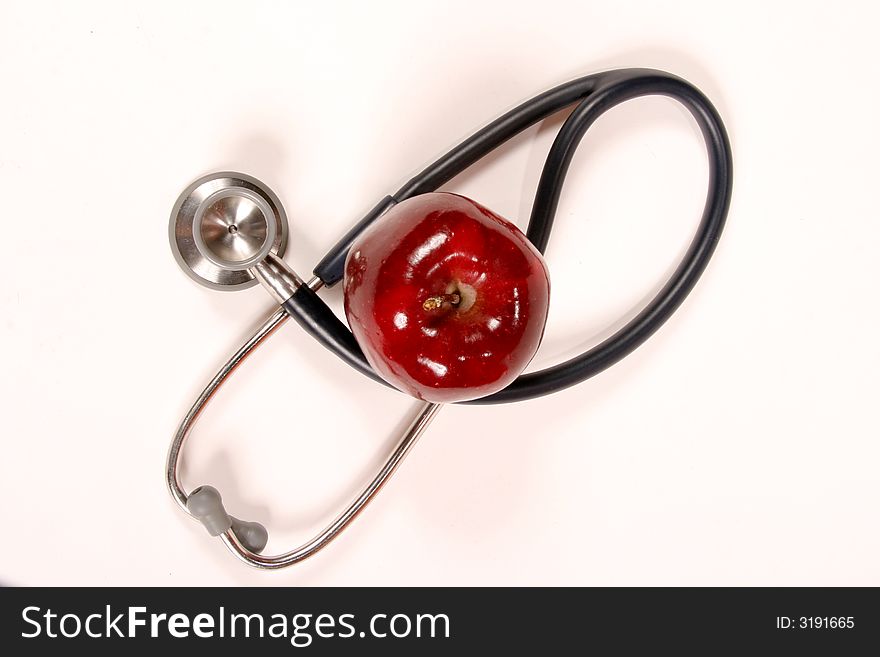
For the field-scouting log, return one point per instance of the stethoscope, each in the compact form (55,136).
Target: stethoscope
(228,231)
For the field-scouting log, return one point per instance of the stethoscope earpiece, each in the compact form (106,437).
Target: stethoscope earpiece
(205,505)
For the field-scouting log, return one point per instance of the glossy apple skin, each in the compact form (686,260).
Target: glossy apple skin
(434,244)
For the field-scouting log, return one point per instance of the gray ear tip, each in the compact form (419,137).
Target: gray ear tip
(205,504)
(203,497)
(250,534)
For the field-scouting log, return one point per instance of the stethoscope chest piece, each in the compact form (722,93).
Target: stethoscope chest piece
(222,225)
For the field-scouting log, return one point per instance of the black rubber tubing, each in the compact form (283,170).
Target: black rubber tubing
(315,316)
(595,94)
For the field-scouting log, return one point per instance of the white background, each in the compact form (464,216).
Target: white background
(738,446)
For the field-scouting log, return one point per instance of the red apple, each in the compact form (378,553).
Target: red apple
(447,299)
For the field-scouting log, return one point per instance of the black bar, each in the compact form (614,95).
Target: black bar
(706,621)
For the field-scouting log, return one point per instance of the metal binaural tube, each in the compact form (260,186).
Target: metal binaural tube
(267,328)
(246,547)
(172,467)
(427,412)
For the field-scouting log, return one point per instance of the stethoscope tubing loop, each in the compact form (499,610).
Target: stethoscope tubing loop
(595,95)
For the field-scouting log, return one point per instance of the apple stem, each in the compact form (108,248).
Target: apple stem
(435,302)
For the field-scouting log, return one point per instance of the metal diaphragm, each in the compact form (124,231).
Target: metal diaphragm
(222,225)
